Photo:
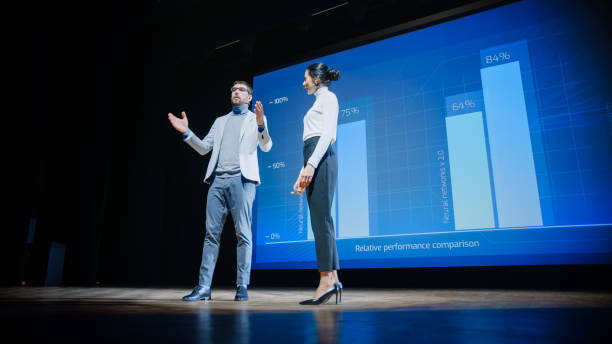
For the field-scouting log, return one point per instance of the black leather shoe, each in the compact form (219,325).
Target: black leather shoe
(340,287)
(198,293)
(241,294)
(323,298)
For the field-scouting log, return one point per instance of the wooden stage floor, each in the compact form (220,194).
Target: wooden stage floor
(103,314)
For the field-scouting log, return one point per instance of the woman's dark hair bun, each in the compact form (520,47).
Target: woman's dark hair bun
(324,73)
(333,74)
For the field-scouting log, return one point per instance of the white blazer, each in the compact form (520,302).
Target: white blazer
(250,138)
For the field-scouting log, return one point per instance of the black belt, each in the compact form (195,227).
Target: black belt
(218,173)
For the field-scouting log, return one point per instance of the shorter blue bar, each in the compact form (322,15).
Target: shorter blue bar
(463,103)
(469,171)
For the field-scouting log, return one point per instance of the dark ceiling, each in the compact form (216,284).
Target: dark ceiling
(279,32)
(272,32)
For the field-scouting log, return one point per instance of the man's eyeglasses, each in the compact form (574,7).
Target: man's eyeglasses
(241,89)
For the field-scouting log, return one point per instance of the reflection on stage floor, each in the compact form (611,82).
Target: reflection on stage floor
(102,314)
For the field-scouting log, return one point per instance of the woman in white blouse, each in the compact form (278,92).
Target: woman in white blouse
(319,175)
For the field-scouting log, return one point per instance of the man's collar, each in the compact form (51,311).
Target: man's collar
(239,110)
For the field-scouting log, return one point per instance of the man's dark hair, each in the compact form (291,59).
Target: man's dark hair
(244,83)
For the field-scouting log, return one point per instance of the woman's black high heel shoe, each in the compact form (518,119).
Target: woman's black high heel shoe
(323,298)
(339,287)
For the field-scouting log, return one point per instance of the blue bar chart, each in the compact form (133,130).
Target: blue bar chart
(480,141)
(469,165)
(493,173)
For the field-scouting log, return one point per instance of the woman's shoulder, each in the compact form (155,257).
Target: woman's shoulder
(329,96)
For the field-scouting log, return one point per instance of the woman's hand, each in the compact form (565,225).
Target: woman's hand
(296,187)
(303,179)
(306,175)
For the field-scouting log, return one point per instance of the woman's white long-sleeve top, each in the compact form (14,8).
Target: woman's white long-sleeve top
(321,120)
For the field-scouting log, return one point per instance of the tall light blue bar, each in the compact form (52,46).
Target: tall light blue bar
(516,189)
(469,171)
(353,209)
(350,209)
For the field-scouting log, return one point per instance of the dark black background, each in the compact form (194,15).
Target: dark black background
(92,157)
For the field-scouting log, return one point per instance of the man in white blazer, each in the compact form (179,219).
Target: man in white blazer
(233,172)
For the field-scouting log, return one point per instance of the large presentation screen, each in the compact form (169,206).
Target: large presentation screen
(481,141)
